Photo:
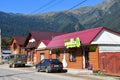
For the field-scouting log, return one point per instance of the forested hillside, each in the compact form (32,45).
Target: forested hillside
(105,14)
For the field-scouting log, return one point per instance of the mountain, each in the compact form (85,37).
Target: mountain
(104,14)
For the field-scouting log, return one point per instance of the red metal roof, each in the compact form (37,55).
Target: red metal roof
(31,45)
(20,40)
(46,42)
(86,37)
(40,35)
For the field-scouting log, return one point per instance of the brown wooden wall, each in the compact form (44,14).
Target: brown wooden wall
(94,59)
(18,49)
(110,63)
(77,64)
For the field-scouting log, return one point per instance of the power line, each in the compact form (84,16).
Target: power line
(77,5)
(53,5)
(50,2)
(72,8)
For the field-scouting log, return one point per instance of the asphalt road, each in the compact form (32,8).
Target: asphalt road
(18,74)
(28,73)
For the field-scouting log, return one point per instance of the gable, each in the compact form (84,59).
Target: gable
(19,40)
(106,37)
(41,46)
(36,36)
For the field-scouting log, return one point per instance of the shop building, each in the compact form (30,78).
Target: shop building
(32,42)
(96,46)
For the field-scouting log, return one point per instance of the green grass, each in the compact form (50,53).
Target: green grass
(106,75)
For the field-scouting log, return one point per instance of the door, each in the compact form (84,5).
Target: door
(85,59)
(41,56)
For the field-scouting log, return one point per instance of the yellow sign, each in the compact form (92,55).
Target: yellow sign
(73,43)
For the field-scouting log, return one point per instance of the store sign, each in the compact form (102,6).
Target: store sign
(72,43)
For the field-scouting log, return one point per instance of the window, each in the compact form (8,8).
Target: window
(58,55)
(28,55)
(42,56)
(11,56)
(15,46)
(72,56)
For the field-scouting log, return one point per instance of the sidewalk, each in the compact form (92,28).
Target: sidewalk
(82,73)
(90,74)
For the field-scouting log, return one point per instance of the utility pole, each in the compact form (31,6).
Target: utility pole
(0,48)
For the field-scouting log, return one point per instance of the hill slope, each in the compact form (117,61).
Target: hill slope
(104,14)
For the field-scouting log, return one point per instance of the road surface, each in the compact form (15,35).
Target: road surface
(26,73)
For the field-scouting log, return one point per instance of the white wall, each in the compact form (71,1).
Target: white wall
(106,37)
(107,41)
(109,48)
(41,46)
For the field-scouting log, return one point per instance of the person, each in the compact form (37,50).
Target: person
(89,66)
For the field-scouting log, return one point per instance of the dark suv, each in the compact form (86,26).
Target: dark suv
(49,65)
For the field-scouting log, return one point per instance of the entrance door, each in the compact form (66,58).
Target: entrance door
(86,59)
(41,56)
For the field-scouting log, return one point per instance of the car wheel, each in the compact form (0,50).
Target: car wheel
(13,65)
(37,69)
(46,70)
(23,65)
(10,65)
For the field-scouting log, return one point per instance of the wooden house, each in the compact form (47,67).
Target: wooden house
(17,45)
(33,40)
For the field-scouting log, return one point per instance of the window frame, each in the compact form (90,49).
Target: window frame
(41,56)
(72,56)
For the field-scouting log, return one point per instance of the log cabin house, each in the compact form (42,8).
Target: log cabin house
(32,42)
(17,45)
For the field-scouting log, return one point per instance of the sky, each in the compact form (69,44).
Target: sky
(42,6)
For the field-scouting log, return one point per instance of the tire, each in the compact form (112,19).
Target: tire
(23,65)
(10,66)
(13,65)
(38,70)
(46,70)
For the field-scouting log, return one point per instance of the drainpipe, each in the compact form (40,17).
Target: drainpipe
(64,60)
(83,58)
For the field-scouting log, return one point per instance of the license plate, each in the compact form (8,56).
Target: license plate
(19,61)
(56,65)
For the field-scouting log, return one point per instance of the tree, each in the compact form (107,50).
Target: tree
(5,41)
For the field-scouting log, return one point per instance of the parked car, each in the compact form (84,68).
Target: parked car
(5,59)
(17,60)
(49,65)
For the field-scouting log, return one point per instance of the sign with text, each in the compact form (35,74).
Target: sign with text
(72,43)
